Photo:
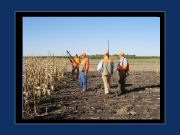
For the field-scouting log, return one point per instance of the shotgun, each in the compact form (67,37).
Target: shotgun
(71,59)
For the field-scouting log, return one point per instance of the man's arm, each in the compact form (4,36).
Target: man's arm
(99,65)
(118,67)
(87,66)
(125,62)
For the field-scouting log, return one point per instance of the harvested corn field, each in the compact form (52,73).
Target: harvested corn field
(67,101)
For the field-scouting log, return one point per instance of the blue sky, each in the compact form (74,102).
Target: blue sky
(134,35)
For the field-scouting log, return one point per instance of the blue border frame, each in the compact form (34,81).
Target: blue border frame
(19,46)
(7,48)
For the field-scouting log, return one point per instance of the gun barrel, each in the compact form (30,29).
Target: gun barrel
(71,58)
(108,48)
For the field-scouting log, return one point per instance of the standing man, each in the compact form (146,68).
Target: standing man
(121,71)
(106,67)
(75,66)
(84,68)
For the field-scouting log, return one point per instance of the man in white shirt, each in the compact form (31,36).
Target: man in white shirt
(121,71)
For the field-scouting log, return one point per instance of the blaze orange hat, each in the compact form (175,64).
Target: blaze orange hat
(121,53)
(83,54)
(106,53)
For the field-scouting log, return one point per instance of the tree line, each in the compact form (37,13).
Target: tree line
(100,56)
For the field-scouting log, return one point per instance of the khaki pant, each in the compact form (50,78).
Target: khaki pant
(107,81)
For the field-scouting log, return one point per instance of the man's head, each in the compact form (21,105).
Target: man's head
(106,54)
(83,54)
(121,54)
(76,56)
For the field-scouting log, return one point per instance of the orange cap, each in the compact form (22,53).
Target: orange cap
(83,54)
(106,53)
(122,53)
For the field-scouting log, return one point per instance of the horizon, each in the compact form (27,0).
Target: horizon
(79,55)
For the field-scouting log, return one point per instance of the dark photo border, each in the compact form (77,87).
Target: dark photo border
(19,57)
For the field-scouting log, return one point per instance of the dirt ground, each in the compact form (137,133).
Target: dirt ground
(141,101)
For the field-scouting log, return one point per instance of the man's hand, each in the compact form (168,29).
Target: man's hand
(117,72)
(85,72)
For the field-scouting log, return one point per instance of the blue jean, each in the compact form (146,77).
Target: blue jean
(83,80)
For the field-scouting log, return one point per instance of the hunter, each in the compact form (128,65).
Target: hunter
(75,65)
(122,71)
(84,68)
(105,67)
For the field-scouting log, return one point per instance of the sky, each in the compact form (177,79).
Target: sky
(55,35)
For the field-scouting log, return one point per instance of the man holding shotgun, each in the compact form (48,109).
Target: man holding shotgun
(105,67)
(75,64)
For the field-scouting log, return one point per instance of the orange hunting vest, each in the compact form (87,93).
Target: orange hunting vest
(107,60)
(77,62)
(85,65)
(107,66)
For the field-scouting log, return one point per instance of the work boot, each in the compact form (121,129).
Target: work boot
(84,90)
(121,89)
(121,92)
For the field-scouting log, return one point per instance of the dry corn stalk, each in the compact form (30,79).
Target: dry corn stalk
(41,75)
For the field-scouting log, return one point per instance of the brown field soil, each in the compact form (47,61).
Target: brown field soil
(141,101)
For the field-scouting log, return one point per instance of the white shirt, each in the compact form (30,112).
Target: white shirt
(99,66)
(123,61)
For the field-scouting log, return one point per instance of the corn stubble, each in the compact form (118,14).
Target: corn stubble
(41,76)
